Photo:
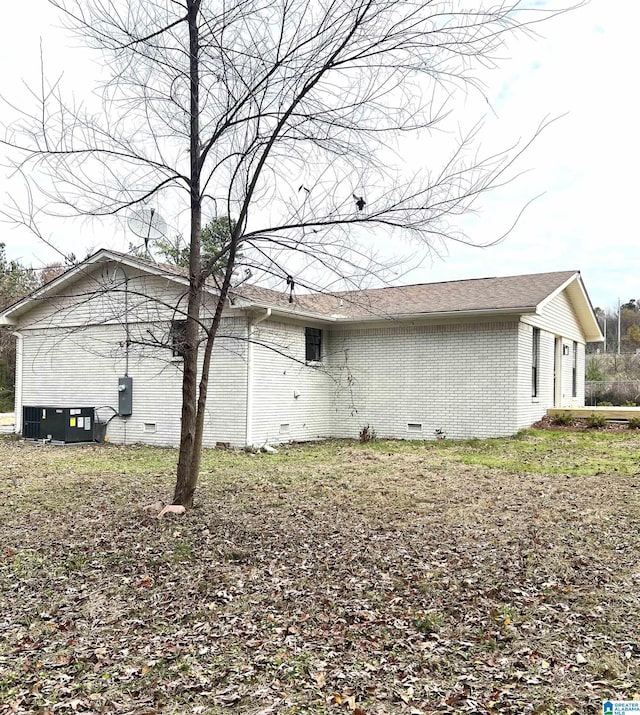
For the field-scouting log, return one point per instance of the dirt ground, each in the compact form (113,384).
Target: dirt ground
(490,576)
(582,425)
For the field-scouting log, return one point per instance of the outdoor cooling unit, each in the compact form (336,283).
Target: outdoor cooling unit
(59,424)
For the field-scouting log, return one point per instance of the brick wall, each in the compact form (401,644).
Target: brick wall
(292,400)
(81,367)
(408,382)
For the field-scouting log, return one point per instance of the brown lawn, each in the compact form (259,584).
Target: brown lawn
(498,576)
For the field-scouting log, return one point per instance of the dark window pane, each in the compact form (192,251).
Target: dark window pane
(313,344)
(176,335)
(535,351)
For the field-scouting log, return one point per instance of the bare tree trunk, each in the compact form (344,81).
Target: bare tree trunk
(272,118)
(186,478)
(206,363)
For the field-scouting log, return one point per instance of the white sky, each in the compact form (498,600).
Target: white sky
(586,164)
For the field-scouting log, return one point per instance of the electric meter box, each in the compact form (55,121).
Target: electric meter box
(125,397)
(58,424)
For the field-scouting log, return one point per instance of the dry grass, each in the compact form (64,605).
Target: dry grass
(487,576)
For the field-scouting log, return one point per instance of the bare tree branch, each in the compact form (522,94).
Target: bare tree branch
(286,115)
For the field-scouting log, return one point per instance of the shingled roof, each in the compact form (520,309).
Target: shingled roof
(512,293)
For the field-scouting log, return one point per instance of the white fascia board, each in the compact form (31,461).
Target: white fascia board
(593,334)
(283,313)
(102,256)
(68,276)
(584,308)
(38,293)
(398,317)
(105,256)
(557,291)
(440,315)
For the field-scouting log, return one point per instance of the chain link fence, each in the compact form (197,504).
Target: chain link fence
(615,392)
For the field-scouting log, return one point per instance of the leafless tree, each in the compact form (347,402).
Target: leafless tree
(282,114)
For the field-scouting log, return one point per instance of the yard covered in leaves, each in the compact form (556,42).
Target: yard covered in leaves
(497,576)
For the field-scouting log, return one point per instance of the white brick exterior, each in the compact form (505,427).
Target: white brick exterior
(82,368)
(73,352)
(461,378)
(409,381)
(292,400)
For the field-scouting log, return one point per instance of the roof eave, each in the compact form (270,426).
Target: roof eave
(23,304)
(592,331)
(582,306)
(442,314)
(436,315)
(283,312)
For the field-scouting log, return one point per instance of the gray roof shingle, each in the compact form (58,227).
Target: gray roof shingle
(515,293)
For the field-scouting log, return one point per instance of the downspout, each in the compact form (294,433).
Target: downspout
(249,411)
(17,427)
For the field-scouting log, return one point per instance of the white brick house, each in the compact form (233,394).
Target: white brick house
(475,358)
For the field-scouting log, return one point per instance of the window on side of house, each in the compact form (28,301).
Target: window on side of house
(313,344)
(177,333)
(535,363)
(574,370)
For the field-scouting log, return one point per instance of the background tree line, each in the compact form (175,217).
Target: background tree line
(16,281)
(613,366)
(628,315)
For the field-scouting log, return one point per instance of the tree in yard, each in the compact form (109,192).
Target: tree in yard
(594,372)
(283,115)
(215,236)
(633,335)
(629,320)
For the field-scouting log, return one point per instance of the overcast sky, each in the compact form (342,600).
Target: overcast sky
(584,165)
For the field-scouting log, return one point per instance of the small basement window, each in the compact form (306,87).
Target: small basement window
(149,426)
(177,334)
(414,426)
(313,344)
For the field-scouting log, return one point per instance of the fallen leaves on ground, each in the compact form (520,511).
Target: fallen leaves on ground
(333,578)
